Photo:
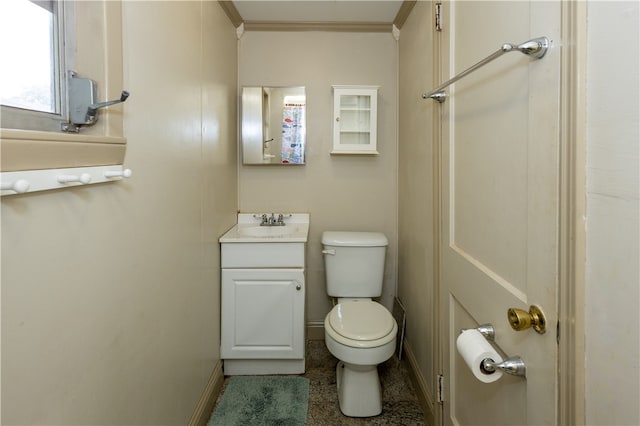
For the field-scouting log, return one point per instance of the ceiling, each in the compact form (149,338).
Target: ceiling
(331,11)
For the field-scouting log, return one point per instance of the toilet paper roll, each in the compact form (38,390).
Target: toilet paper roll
(474,348)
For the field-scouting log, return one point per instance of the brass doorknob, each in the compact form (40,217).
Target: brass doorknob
(521,319)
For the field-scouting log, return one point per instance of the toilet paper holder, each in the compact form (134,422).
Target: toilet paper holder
(486,330)
(513,365)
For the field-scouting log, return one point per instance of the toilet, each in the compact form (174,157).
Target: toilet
(360,332)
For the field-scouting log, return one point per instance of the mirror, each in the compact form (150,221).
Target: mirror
(273,129)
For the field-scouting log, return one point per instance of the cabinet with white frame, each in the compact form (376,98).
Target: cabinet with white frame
(263,295)
(355,113)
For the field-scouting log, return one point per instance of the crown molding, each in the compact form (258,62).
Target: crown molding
(362,27)
(404,12)
(231,11)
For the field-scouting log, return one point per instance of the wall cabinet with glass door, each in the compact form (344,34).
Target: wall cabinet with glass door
(355,112)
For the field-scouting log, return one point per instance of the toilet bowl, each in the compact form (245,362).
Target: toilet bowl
(361,333)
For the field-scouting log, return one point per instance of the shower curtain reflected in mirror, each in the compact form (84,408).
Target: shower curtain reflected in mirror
(293,133)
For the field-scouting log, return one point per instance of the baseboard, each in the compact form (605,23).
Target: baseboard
(422,391)
(260,367)
(203,410)
(315,330)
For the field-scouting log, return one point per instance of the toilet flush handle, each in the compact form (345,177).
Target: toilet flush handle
(329,251)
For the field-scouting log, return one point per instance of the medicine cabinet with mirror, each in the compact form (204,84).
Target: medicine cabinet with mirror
(273,129)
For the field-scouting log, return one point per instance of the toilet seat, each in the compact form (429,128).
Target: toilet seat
(361,324)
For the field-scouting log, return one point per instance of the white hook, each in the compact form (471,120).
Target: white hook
(126,173)
(82,178)
(20,186)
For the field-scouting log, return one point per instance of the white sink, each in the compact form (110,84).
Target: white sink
(268,231)
(249,245)
(248,230)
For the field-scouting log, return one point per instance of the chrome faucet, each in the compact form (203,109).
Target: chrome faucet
(272,220)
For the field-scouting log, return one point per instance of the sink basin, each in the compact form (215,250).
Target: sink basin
(267,231)
(248,230)
(249,245)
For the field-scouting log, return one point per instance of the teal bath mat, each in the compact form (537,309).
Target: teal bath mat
(263,400)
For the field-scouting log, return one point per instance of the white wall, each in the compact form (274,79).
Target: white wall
(110,293)
(613,162)
(340,192)
(416,245)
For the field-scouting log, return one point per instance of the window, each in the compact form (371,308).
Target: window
(27,34)
(84,36)
(32,39)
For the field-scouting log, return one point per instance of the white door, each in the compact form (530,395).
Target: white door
(499,216)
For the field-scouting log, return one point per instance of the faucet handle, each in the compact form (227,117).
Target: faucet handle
(263,219)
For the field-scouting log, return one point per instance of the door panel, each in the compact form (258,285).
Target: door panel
(469,409)
(499,187)
(262,314)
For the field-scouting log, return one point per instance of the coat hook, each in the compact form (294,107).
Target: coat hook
(125,173)
(20,186)
(82,178)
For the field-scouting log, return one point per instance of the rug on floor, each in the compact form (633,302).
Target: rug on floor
(262,400)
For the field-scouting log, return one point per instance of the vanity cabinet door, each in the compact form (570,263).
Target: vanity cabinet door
(355,111)
(262,313)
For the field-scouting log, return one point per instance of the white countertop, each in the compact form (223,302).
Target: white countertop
(248,230)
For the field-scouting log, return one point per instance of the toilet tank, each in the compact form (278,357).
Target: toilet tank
(354,263)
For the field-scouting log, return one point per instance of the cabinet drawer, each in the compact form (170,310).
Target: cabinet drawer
(262,255)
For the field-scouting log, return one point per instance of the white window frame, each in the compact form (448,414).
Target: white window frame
(96,27)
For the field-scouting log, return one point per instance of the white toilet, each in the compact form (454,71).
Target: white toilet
(360,332)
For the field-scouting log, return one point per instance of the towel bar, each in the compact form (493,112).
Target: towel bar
(536,47)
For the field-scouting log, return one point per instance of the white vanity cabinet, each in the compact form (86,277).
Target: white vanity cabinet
(355,116)
(263,300)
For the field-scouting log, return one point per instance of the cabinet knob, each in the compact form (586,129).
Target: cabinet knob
(337,118)
(298,286)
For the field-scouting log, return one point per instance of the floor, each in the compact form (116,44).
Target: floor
(400,405)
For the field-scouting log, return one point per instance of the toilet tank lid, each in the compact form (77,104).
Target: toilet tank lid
(354,239)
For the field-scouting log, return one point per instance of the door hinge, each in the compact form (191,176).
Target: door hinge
(438,16)
(440,389)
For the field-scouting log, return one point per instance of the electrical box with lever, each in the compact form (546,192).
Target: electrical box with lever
(83,108)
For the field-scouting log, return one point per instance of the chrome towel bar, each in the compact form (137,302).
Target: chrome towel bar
(536,47)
